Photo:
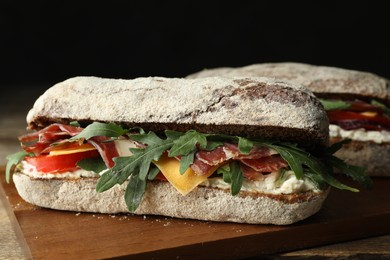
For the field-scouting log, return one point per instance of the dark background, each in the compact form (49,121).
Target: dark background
(43,42)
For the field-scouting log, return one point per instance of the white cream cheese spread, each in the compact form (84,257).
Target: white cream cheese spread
(360,134)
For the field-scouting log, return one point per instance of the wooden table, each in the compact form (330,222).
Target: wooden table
(13,246)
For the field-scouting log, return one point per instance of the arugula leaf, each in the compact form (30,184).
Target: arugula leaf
(186,143)
(173,134)
(100,129)
(139,161)
(94,164)
(334,104)
(106,181)
(297,158)
(336,146)
(316,179)
(244,145)
(137,166)
(225,171)
(281,178)
(14,159)
(186,161)
(386,109)
(294,157)
(335,183)
(211,145)
(150,138)
(134,192)
(355,172)
(154,170)
(232,174)
(236,177)
(74,123)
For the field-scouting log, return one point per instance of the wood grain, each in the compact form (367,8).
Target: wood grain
(64,235)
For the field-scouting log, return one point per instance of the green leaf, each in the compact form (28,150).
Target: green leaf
(236,177)
(334,104)
(74,123)
(336,146)
(186,161)
(355,172)
(140,160)
(187,143)
(316,179)
(14,159)
(150,138)
(386,109)
(225,171)
(134,192)
(94,164)
(335,183)
(100,129)
(211,145)
(294,160)
(232,174)
(281,178)
(244,145)
(170,134)
(154,170)
(106,182)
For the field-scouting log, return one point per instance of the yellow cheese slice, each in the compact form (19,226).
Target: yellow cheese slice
(78,149)
(170,168)
(369,113)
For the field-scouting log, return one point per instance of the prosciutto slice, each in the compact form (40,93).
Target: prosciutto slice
(41,142)
(266,164)
(106,148)
(260,159)
(42,139)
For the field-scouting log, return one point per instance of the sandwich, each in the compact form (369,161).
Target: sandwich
(245,150)
(357,103)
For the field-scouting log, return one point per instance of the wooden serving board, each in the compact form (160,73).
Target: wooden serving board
(52,234)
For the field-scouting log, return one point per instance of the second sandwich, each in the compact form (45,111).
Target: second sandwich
(357,102)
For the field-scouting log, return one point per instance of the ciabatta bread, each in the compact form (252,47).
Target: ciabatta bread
(258,108)
(161,198)
(322,80)
(252,107)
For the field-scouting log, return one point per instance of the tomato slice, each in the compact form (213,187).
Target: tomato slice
(59,163)
(352,120)
(361,106)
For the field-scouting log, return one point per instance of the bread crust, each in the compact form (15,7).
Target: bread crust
(374,157)
(160,198)
(235,106)
(328,82)
(322,80)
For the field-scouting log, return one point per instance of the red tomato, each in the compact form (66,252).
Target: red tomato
(59,163)
(352,120)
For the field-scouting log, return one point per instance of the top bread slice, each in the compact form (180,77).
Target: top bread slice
(324,81)
(253,107)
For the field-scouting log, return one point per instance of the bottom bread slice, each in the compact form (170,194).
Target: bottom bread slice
(374,157)
(160,198)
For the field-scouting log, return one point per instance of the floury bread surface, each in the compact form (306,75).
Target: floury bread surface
(319,79)
(238,106)
(160,198)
